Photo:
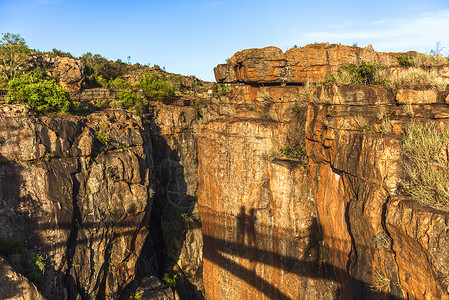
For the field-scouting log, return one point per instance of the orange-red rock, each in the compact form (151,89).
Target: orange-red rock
(310,63)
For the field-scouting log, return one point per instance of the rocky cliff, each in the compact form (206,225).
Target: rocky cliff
(337,226)
(77,190)
(276,190)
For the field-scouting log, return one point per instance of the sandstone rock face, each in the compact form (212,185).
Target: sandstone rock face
(298,65)
(174,138)
(14,285)
(338,227)
(310,63)
(260,229)
(69,71)
(370,228)
(77,190)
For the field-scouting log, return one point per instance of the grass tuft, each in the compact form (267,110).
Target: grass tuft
(426,165)
(414,77)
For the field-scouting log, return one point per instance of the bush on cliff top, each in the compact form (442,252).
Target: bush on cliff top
(426,167)
(40,92)
(362,73)
(156,87)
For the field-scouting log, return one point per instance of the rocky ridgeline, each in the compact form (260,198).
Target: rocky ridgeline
(310,63)
(297,189)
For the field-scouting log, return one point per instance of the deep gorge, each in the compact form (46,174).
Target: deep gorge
(209,202)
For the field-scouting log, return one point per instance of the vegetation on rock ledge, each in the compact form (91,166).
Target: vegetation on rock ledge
(40,92)
(426,165)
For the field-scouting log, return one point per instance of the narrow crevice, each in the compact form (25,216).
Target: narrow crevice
(352,257)
(74,289)
(395,284)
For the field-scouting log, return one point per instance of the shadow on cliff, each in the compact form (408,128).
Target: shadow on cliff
(172,214)
(21,233)
(246,248)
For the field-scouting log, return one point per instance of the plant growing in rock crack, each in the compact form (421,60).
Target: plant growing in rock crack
(267,101)
(294,152)
(170,280)
(362,124)
(103,138)
(111,173)
(137,295)
(385,125)
(383,283)
(186,218)
(426,168)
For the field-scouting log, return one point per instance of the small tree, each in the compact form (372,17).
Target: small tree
(40,92)
(14,54)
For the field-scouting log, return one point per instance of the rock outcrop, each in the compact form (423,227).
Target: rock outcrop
(16,286)
(338,227)
(275,191)
(78,191)
(310,63)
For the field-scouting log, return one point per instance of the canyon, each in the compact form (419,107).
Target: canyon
(279,189)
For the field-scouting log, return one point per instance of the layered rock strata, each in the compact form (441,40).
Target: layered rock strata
(338,227)
(310,63)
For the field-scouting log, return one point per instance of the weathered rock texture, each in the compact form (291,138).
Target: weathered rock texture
(14,285)
(77,190)
(310,63)
(383,238)
(69,72)
(175,213)
(336,228)
(260,228)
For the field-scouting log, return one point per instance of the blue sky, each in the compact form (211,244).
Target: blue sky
(192,37)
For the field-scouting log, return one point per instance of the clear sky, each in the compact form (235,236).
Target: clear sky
(192,37)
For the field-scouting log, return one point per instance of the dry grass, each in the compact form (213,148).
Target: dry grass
(382,282)
(426,166)
(415,77)
(415,59)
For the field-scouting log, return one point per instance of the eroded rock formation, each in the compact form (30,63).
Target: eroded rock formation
(274,191)
(338,227)
(78,191)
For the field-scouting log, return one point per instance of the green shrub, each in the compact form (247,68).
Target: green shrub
(33,267)
(137,295)
(199,103)
(220,90)
(296,152)
(128,98)
(132,100)
(29,263)
(40,92)
(426,169)
(11,246)
(170,281)
(103,138)
(186,218)
(362,73)
(119,83)
(96,66)
(156,87)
